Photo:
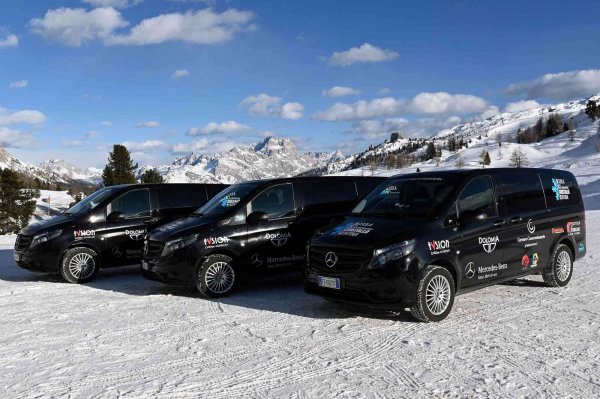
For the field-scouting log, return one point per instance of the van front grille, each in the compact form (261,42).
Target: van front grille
(347,260)
(152,249)
(23,242)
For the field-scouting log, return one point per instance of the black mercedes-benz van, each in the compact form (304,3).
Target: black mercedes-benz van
(106,229)
(249,228)
(419,239)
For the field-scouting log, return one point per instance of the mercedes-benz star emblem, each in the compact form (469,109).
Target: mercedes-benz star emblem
(256,260)
(331,259)
(116,251)
(470,270)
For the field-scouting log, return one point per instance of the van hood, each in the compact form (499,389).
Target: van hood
(183,227)
(55,222)
(369,232)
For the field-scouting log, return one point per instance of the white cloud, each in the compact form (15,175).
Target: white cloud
(562,85)
(423,103)
(372,129)
(522,106)
(203,145)
(228,127)
(148,124)
(106,123)
(72,143)
(340,91)
(198,27)
(488,113)
(113,3)
(91,134)
(180,73)
(272,106)
(384,91)
(11,138)
(19,84)
(9,41)
(147,145)
(365,53)
(27,117)
(76,26)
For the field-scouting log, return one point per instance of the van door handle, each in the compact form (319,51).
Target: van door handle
(516,219)
(499,223)
(151,220)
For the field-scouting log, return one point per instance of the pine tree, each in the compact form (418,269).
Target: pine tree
(152,176)
(430,151)
(552,125)
(484,158)
(120,168)
(539,128)
(592,109)
(17,204)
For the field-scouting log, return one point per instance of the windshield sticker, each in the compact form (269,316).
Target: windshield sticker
(574,228)
(389,190)
(231,199)
(84,233)
(216,242)
(136,235)
(489,243)
(279,239)
(353,229)
(439,247)
(560,189)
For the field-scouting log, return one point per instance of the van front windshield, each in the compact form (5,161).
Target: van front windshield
(226,200)
(91,201)
(407,197)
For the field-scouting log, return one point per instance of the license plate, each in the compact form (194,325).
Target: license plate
(329,282)
(17,257)
(145,265)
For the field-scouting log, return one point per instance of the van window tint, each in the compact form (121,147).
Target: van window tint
(135,203)
(181,196)
(226,200)
(276,202)
(478,196)
(522,192)
(560,188)
(327,191)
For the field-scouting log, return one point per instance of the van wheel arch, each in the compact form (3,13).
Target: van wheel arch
(81,245)
(446,264)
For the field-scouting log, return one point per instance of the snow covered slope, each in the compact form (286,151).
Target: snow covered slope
(270,158)
(70,172)
(51,203)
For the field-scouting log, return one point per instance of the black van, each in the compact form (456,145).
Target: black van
(418,239)
(106,229)
(249,228)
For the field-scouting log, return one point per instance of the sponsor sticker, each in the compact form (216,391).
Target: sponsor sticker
(136,235)
(489,243)
(279,239)
(485,272)
(389,190)
(231,199)
(353,229)
(84,233)
(437,247)
(531,241)
(216,242)
(560,189)
(574,228)
(470,270)
(558,230)
(530,226)
(534,260)
(274,262)
(581,247)
(525,262)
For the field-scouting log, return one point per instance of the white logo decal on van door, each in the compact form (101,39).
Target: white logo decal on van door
(530,226)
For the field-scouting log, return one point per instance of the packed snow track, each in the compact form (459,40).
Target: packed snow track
(124,336)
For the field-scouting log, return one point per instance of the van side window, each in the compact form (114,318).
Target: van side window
(135,203)
(181,196)
(560,189)
(478,196)
(276,202)
(522,192)
(326,191)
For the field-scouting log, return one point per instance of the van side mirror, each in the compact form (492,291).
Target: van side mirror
(473,217)
(115,216)
(257,217)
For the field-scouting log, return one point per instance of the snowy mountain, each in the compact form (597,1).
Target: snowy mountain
(45,175)
(71,173)
(273,157)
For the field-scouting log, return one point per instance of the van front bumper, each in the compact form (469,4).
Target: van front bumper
(43,258)
(170,271)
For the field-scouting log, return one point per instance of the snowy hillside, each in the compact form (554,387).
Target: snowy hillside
(51,203)
(270,158)
(70,172)
(9,161)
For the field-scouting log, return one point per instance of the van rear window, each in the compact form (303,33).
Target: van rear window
(170,197)
(560,188)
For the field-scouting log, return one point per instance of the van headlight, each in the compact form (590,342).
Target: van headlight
(179,243)
(383,256)
(46,236)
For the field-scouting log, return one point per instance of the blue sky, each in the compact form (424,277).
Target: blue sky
(170,76)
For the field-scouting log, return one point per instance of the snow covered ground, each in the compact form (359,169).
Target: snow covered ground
(51,203)
(125,336)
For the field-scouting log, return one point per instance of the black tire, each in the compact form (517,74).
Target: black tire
(217,276)
(559,273)
(423,311)
(79,265)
